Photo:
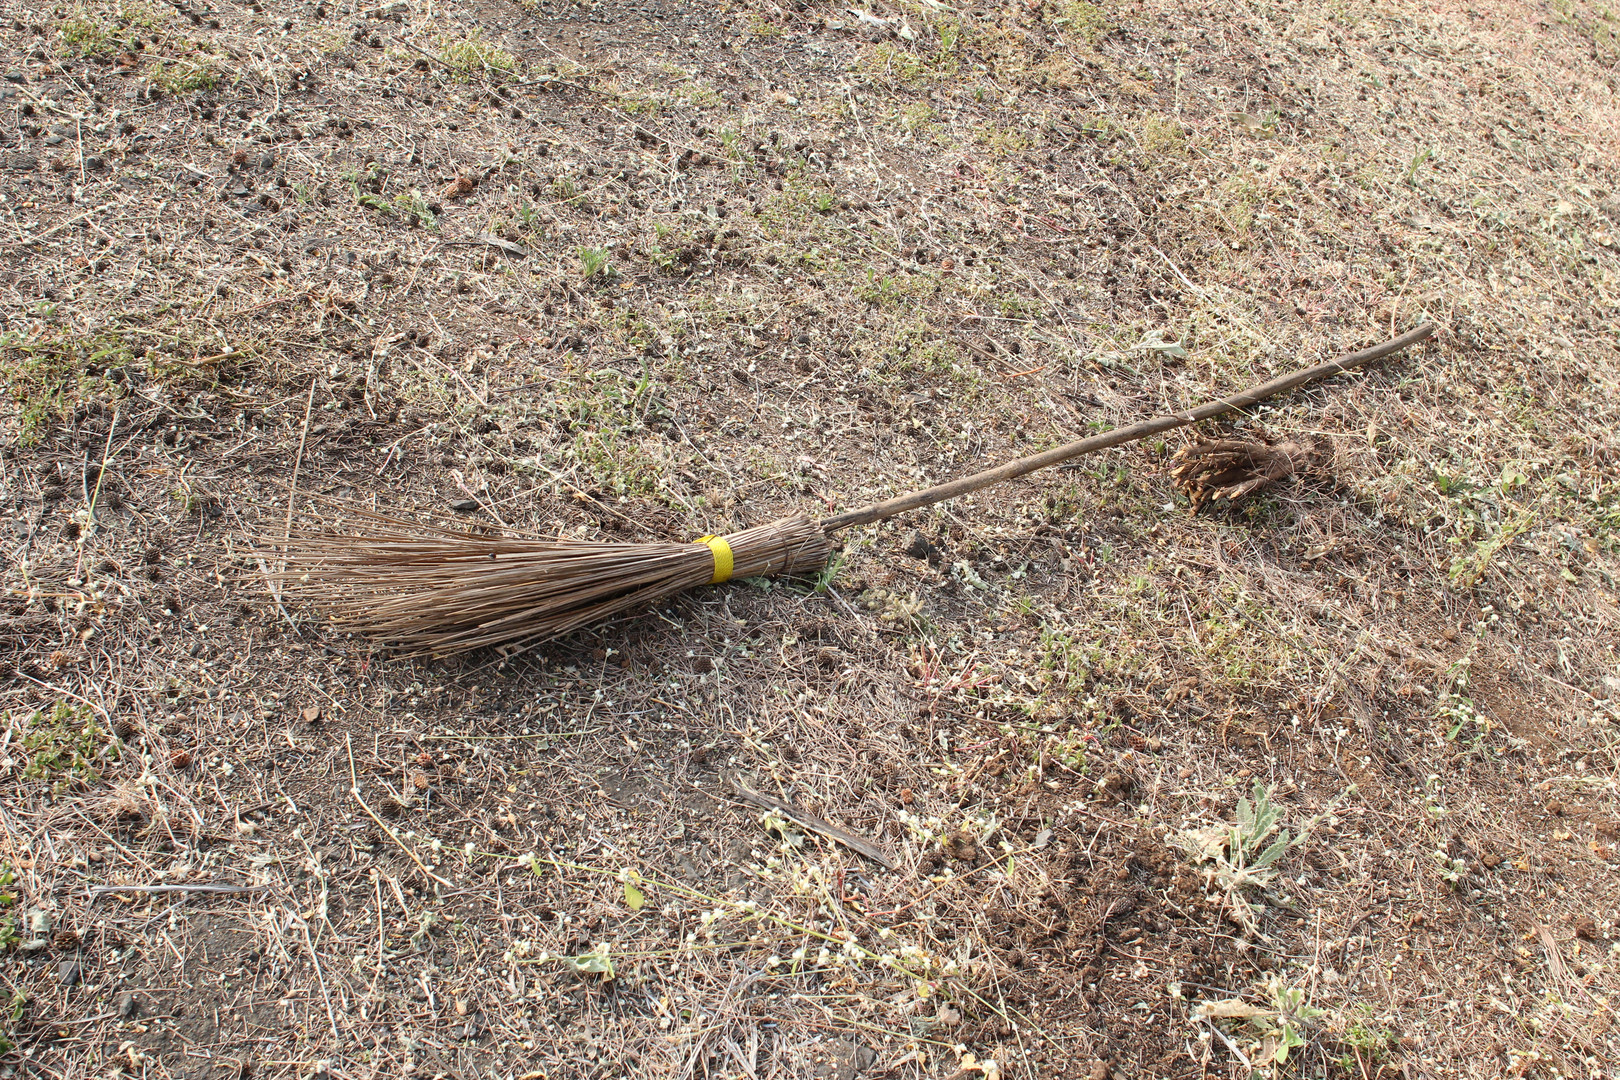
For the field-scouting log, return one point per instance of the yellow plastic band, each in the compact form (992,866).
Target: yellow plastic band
(722,557)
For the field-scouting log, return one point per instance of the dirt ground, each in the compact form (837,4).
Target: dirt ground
(638,270)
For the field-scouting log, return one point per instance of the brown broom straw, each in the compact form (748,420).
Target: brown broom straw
(434,591)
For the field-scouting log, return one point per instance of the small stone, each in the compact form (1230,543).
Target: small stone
(68,972)
(919,546)
(95,163)
(312,714)
(126,1005)
(465,506)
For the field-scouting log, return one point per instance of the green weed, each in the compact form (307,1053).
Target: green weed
(185,76)
(66,745)
(594,264)
(8,902)
(473,55)
(83,34)
(47,375)
(1242,857)
(1410,180)
(1162,136)
(414,209)
(1468,570)
(1368,1043)
(1065,658)
(1087,20)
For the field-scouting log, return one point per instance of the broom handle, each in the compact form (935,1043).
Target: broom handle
(953,488)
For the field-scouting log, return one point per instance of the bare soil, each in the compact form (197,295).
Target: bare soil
(643,271)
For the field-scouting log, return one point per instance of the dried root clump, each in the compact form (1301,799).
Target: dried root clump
(1230,469)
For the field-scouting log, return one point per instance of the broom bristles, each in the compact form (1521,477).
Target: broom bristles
(426,590)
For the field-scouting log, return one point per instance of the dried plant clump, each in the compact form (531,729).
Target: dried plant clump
(1232,469)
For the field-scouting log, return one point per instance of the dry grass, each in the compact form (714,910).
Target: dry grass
(640,275)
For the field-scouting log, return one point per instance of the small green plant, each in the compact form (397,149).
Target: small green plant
(84,35)
(414,209)
(565,189)
(1160,341)
(1417,163)
(8,900)
(66,745)
(185,76)
(374,202)
(1368,1044)
(760,26)
(1066,660)
(473,55)
(1456,711)
(47,374)
(1468,570)
(366,187)
(890,290)
(824,577)
(1242,856)
(1274,1031)
(1452,870)
(1162,135)
(14,1014)
(1071,750)
(422,938)
(1087,20)
(594,265)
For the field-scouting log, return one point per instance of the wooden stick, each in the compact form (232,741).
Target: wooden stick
(102,890)
(916,500)
(807,820)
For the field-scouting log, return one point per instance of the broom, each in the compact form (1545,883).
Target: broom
(427,590)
